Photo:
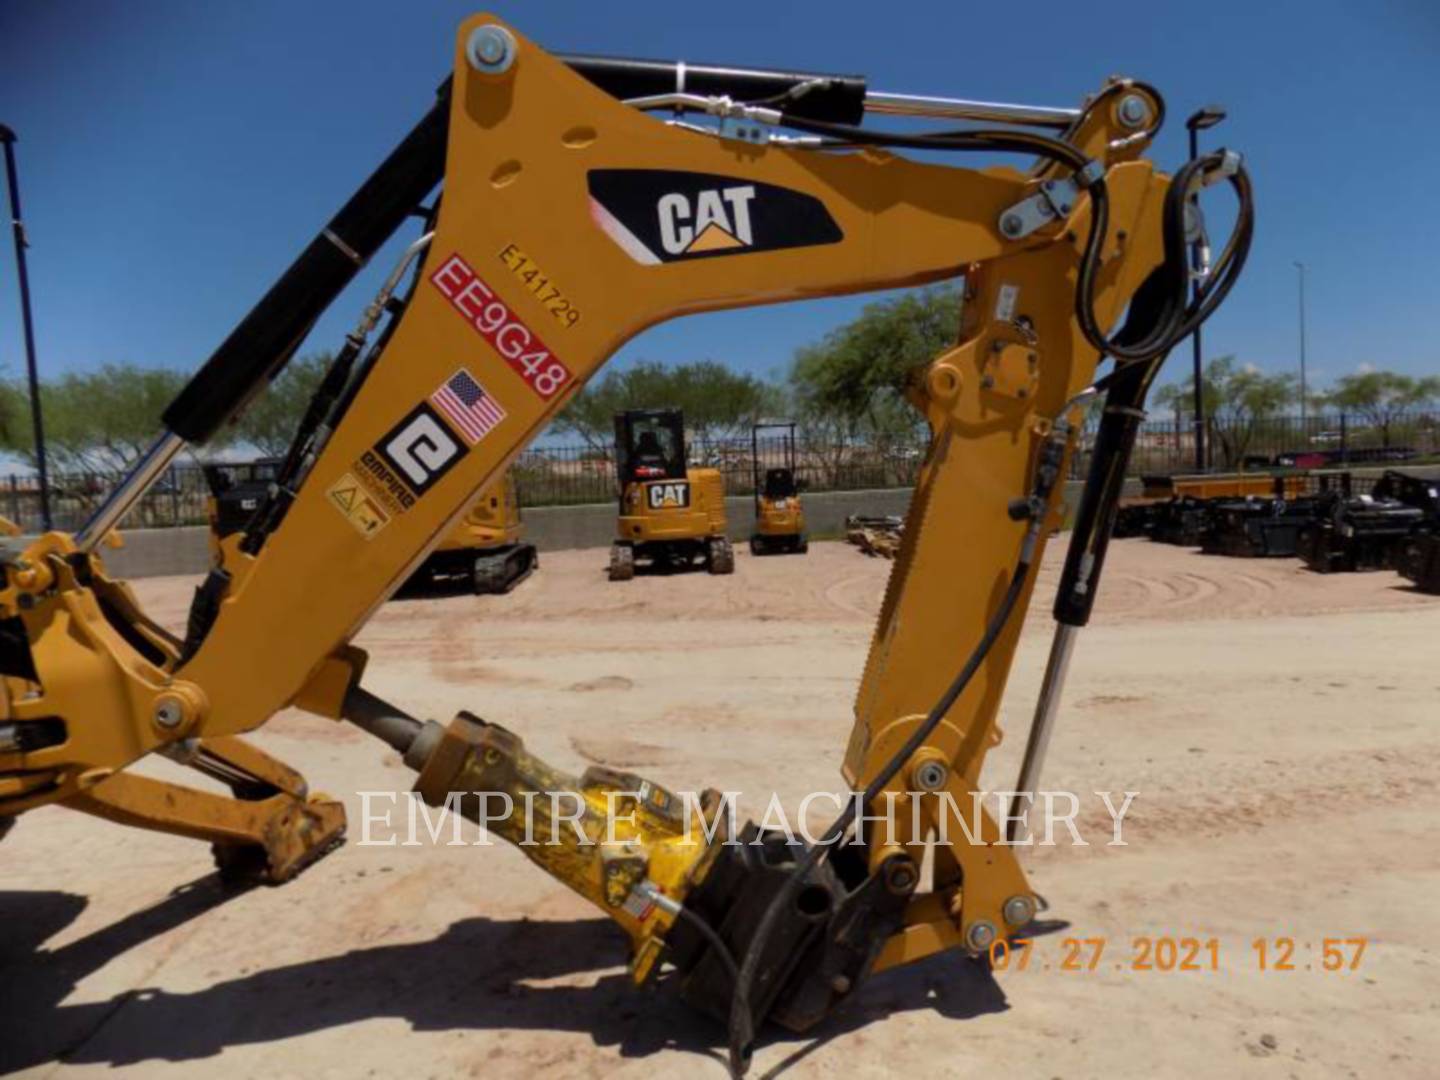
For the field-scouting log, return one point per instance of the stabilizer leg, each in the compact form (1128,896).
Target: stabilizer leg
(269,831)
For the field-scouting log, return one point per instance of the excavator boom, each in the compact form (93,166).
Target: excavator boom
(586,199)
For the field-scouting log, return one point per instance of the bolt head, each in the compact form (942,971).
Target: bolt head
(491,49)
(1011,224)
(980,936)
(1019,910)
(901,877)
(931,776)
(1133,111)
(168,713)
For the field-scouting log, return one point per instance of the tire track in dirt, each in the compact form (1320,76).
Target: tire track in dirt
(1272,794)
(859,596)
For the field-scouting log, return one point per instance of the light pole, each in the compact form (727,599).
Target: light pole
(1300,266)
(1206,117)
(17,225)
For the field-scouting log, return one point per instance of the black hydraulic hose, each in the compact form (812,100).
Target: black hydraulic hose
(1114,89)
(742,1021)
(1170,319)
(1095,521)
(1175,319)
(327,406)
(738,1060)
(1175,316)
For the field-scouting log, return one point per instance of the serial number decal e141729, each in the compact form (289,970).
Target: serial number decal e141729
(493,320)
(539,283)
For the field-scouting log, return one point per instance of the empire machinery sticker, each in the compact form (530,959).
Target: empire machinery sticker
(661,215)
(413,455)
(506,332)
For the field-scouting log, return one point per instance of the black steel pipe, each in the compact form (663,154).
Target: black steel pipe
(22,274)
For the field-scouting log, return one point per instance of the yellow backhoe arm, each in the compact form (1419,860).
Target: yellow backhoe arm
(571,221)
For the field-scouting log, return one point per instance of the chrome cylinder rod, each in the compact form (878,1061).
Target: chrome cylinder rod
(145,472)
(1046,710)
(961,109)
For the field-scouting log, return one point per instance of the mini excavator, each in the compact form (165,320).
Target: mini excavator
(672,516)
(585,199)
(779,516)
(486,551)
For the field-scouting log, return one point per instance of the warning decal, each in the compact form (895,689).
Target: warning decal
(357,507)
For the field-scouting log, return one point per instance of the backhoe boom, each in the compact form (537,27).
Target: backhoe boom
(570,222)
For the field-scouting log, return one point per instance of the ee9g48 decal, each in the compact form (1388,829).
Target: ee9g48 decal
(661,216)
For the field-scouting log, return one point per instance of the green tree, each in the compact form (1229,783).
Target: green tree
(270,421)
(1179,399)
(1383,397)
(718,403)
(15,433)
(854,380)
(1237,399)
(104,419)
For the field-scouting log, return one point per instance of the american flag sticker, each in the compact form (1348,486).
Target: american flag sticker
(466,404)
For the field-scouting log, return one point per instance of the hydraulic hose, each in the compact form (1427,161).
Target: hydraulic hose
(1178,316)
(742,1020)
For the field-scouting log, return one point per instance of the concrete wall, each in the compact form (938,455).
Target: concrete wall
(556,528)
(153,552)
(158,552)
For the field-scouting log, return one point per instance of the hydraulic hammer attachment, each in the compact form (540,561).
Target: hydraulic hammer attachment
(827,938)
(638,214)
(675,874)
(628,846)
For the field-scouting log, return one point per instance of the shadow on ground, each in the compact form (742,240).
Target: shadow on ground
(427,588)
(478,975)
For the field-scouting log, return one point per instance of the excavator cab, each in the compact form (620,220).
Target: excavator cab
(650,445)
(779,517)
(672,517)
(237,488)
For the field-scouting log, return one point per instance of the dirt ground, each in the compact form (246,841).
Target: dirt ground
(1280,728)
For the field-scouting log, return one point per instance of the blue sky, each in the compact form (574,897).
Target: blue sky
(175,156)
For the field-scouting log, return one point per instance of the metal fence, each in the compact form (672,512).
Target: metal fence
(564,476)
(177,498)
(1322,440)
(551,476)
